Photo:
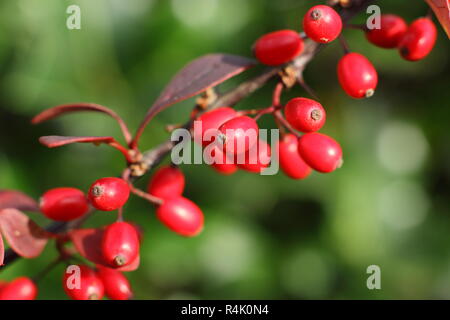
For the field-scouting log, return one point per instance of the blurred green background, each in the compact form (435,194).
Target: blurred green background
(266,237)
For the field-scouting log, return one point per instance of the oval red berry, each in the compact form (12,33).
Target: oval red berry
(239,134)
(82,283)
(305,115)
(64,204)
(255,159)
(211,120)
(322,24)
(167,182)
(392,29)
(357,75)
(418,40)
(291,162)
(109,194)
(320,152)
(120,244)
(181,216)
(21,288)
(278,47)
(117,286)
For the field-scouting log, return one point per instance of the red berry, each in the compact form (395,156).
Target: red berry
(291,162)
(21,288)
(225,168)
(167,182)
(278,47)
(83,285)
(212,120)
(109,194)
(64,204)
(222,163)
(418,40)
(181,216)
(357,75)
(320,152)
(117,286)
(120,244)
(255,159)
(392,29)
(305,115)
(322,24)
(239,134)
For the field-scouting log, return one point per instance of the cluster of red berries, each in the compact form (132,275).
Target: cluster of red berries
(321,23)
(233,129)
(176,212)
(414,42)
(94,284)
(356,74)
(297,156)
(300,151)
(121,240)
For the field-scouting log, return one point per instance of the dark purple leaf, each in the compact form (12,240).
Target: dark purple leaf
(17,200)
(58,141)
(77,107)
(24,236)
(199,75)
(88,243)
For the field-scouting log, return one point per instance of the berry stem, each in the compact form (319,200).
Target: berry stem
(122,149)
(120,214)
(276,96)
(145,195)
(344,44)
(279,116)
(307,88)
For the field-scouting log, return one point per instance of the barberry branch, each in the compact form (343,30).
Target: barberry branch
(153,157)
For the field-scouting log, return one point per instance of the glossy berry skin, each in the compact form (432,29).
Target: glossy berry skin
(239,134)
(322,24)
(418,40)
(257,158)
(305,115)
(320,152)
(291,162)
(120,244)
(108,194)
(117,286)
(181,216)
(167,182)
(357,75)
(278,47)
(226,166)
(21,288)
(392,30)
(64,204)
(213,120)
(91,286)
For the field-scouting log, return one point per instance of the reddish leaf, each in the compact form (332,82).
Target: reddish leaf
(77,107)
(441,9)
(24,236)
(196,77)
(17,200)
(2,250)
(88,243)
(58,141)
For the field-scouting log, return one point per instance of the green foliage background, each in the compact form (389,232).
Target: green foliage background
(265,237)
